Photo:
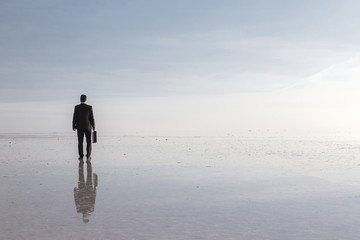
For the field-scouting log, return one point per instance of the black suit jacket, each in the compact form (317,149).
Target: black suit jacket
(83,118)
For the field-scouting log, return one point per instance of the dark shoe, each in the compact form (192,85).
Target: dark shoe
(81,158)
(88,159)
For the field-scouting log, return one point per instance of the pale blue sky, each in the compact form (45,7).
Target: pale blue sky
(55,50)
(169,67)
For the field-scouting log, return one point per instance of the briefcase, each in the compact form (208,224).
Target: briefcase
(94,137)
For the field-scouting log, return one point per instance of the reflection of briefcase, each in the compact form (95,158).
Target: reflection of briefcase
(94,137)
(95,179)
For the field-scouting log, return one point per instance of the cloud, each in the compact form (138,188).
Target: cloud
(326,100)
(207,68)
(58,50)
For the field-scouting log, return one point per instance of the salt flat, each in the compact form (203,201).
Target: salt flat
(168,187)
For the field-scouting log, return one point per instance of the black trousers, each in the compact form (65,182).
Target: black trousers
(80,134)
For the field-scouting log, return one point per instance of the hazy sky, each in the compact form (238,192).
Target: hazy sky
(226,58)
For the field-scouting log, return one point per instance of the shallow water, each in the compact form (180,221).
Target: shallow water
(180,188)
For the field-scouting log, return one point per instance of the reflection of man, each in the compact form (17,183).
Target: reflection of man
(83,121)
(85,193)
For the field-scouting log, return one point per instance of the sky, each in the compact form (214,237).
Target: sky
(180,66)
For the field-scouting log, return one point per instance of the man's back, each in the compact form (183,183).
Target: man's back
(83,117)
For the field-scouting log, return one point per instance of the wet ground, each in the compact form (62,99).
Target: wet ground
(180,188)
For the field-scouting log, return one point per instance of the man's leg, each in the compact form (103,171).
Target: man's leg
(89,176)
(81,182)
(88,143)
(80,134)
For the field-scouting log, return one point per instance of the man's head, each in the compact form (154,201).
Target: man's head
(83,98)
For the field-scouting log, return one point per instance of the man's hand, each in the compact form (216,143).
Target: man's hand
(74,129)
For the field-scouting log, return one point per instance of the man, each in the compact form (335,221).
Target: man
(83,121)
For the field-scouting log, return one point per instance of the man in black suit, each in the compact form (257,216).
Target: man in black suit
(83,121)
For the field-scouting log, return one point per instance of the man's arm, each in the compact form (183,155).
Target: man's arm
(74,124)
(92,120)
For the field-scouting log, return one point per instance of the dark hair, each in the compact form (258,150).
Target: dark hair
(83,98)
